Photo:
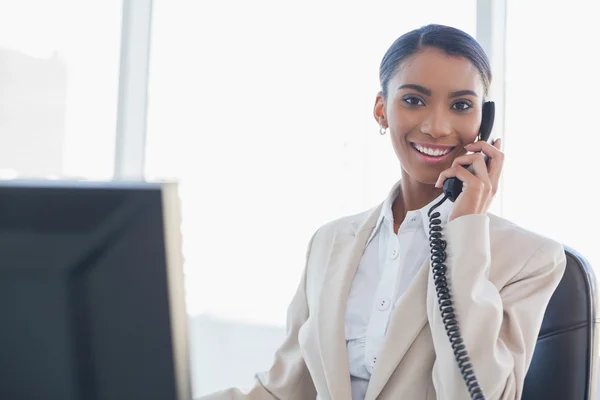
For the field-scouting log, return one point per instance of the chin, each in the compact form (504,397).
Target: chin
(422,177)
(427,181)
(423,169)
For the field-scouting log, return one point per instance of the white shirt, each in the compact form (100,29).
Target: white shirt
(387,267)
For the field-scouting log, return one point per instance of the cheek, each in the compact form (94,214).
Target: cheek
(467,128)
(402,122)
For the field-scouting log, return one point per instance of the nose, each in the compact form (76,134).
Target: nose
(437,124)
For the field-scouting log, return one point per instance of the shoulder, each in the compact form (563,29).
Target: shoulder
(349,224)
(532,250)
(329,245)
(508,233)
(341,233)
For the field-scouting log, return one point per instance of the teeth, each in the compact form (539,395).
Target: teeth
(431,152)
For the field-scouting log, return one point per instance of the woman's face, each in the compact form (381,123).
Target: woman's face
(432,110)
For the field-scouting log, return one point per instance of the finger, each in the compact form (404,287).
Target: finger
(467,159)
(486,148)
(477,162)
(496,158)
(498,144)
(481,170)
(460,172)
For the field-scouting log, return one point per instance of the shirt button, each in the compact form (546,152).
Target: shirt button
(413,219)
(394,253)
(383,304)
(373,360)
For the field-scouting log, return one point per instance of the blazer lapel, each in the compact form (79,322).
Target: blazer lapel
(406,322)
(346,252)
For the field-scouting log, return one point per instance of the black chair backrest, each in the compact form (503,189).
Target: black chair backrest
(563,364)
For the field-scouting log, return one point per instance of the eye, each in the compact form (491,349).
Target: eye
(462,106)
(413,101)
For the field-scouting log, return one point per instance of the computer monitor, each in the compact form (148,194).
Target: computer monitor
(92,302)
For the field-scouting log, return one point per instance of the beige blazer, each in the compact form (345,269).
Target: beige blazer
(501,277)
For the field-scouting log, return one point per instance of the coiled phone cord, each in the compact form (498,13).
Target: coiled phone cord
(438,256)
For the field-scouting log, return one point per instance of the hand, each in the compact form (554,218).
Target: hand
(479,189)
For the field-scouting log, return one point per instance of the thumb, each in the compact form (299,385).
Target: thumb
(498,143)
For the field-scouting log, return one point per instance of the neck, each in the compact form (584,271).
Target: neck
(413,196)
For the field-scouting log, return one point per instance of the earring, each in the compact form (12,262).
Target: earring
(382,130)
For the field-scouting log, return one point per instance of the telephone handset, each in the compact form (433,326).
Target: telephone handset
(453,186)
(437,244)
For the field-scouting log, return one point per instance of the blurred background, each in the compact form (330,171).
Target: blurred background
(262,110)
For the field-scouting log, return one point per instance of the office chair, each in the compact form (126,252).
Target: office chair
(564,361)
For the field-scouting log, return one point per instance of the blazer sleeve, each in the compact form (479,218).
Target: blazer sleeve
(288,378)
(499,327)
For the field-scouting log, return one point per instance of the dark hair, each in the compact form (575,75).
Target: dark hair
(451,41)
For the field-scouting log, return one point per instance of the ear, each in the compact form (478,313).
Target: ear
(379,111)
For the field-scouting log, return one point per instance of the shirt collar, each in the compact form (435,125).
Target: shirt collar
(386,211)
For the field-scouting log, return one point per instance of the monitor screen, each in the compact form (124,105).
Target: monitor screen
(91,292)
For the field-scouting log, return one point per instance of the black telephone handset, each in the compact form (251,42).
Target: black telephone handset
(453,186)
(437,244)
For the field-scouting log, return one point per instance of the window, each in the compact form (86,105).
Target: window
(263,111)
(552,84)
(59,65)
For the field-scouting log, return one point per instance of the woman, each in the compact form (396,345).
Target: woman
(365,321)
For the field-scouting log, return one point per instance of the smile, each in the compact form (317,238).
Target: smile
(431,153)
(436,151)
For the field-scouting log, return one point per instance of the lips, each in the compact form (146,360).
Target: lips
(432,150)
(431,153)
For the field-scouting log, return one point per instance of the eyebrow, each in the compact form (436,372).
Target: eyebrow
(427,92)
(459,93)
(418,88)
